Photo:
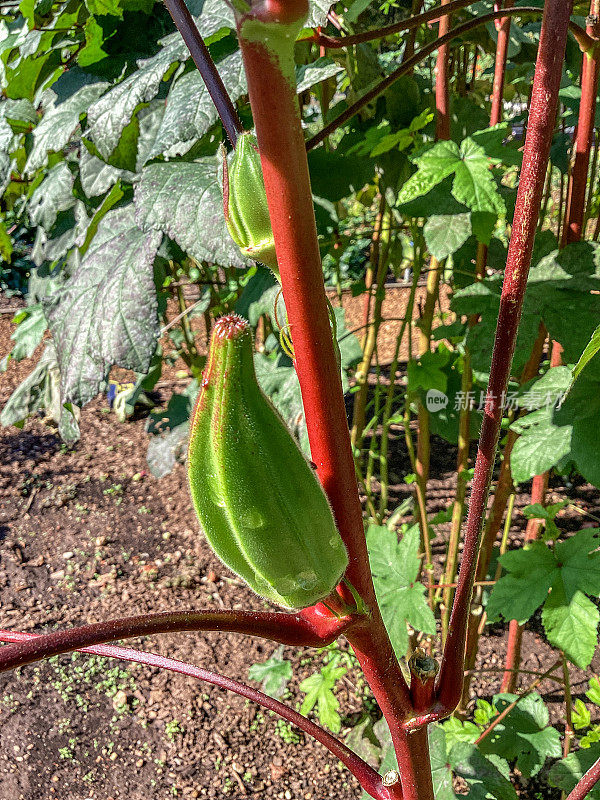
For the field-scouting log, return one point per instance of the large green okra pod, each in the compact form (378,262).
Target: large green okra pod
(260,504)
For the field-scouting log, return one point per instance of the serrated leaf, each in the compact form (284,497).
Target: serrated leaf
(54,194)
(395,567)
(31,325)
(445,234)
(273,674)
(185,201)
(568,772)
(524,734)
(531,572)
(318,688)
(483,776)
(107,312)
(95,175)
(572,626)
(474,184)
(587,355)
(108,116)
(59,123)
(308,75)
(190,110)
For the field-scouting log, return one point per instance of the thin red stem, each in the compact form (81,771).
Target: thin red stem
(433,15)
(544,101)
(500,66)
(369,780)
(410,63)
(210,75)
(572,230)
(310,628)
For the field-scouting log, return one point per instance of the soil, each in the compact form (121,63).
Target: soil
(87,534)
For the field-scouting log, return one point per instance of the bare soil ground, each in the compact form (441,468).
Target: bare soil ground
(87,534)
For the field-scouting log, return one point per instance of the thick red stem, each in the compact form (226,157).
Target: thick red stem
(285,169)
(500,67)
(368,778)
(311,628)
(587,783)
(540,128)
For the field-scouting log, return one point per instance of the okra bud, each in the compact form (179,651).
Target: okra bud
(259,503)
(245,203)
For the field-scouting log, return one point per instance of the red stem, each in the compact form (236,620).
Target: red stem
(442,90)
(433,15)
(540,128)
(587,783)
(500,66)
(411,62)
(572,230)
(310,628)
(285,169)
(369,780)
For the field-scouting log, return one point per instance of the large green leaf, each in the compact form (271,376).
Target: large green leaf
(568,772)
(559,290)
(107,312)
(524,735)
(474,184)
(185,201)
(396,566)
(190,111)
(54,194)
(59,123)
(572,626)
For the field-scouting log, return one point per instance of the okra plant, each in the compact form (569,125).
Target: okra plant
(131,193)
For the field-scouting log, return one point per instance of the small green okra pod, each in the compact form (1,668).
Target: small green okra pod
(259,503)
(245,203)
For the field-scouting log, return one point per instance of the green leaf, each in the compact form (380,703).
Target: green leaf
(587,355)
(524,734)
(396,566)
(95,175)
(111,199)
(54,194)
(580,715)
(31,325)
(308,75)
(190,111)
(458,731)
(59,123)
(107,312)
(185,201)
(568,772)
(427,373)
(572,626)
(273,674)
(319,691)
(440,768)
(6,246)
(445,234)
(483,776)
(593,693)
(109,115)
(531,572)
(40,390)
(473,185)
(561,287)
